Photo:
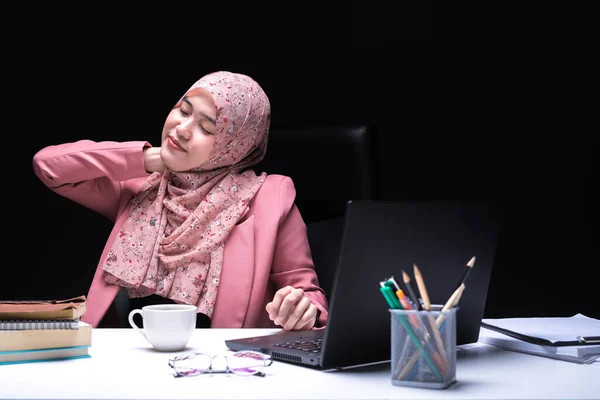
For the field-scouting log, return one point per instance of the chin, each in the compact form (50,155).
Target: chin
(170,166)
(175,167)
(168,161)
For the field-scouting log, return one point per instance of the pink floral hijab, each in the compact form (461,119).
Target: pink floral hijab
(172,243)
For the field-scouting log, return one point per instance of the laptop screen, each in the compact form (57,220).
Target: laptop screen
(385,238)
(382,239)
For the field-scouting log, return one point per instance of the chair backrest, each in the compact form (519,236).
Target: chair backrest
(329,165)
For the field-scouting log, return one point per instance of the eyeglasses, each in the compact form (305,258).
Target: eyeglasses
(245,362)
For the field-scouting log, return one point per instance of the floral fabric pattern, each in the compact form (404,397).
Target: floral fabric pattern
(172,243)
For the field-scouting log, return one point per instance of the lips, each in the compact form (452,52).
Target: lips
(175,143)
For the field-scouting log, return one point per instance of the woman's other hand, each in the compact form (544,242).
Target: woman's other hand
(152,160)
(292,310)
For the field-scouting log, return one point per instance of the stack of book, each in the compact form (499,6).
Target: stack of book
(43,330)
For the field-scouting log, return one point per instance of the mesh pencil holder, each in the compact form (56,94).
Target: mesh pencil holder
(423,347)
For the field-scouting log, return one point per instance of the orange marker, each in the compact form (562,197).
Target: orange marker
(406,305)
(415,320)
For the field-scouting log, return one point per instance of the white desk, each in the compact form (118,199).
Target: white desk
(123,366)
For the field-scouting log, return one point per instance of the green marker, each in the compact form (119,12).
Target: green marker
(394,303)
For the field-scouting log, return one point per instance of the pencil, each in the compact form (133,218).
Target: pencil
(427,306)
(458,298)
(451,302)
(466,272)
(394,303)
(411,290)
(422,288)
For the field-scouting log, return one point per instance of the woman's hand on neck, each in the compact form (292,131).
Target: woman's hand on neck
(152,160)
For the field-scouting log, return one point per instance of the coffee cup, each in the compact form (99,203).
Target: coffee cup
(167,327)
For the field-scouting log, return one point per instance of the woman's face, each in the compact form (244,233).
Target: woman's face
(189,133)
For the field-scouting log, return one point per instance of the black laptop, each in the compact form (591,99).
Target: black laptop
(380,239)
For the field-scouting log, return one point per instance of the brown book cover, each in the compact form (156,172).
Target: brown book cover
(35,339)
(42,309)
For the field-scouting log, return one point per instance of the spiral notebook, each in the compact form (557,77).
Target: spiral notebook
(18,325)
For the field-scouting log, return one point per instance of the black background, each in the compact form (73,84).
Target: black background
(470,101)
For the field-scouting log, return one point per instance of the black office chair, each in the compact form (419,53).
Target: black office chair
(329,166)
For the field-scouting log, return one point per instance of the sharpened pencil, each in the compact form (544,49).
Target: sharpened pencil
(451,302)
(394,303)
(411,291)
(422,288)
(431,327)
(466,272)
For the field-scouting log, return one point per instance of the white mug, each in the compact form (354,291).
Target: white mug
(167,327)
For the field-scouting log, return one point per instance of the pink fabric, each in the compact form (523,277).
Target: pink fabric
(265,252)
(172,243)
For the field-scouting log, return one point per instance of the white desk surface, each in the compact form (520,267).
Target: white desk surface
(123,366)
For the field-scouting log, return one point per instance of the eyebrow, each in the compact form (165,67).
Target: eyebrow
(201,113)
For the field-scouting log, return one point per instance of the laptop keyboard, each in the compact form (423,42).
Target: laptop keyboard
(309,346)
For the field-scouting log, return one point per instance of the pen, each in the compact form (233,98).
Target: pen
(392,300)
(439,353)
(391,281)
(451,302)
(589,339)
(405,304)
(394,303)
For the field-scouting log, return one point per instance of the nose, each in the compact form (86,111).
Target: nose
(184,129)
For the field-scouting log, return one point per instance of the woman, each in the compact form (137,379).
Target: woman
(193,224)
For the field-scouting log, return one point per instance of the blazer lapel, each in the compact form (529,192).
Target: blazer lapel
(237,276)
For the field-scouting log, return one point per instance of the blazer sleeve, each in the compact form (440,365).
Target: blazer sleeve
(91,173)
(292,260)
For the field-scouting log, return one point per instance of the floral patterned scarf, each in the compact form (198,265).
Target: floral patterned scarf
(172,243)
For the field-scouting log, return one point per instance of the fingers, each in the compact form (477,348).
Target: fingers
(152,160)
(273,307)
(292,310)
(309,319)
(288,305)
(303,317)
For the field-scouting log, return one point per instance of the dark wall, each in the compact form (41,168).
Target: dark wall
(469,102)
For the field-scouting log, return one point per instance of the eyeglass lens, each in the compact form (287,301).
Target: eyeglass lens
(240,363)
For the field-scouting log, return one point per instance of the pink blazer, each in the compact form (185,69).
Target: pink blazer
(266,251)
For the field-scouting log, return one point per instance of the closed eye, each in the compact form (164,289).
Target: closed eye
(205,130)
